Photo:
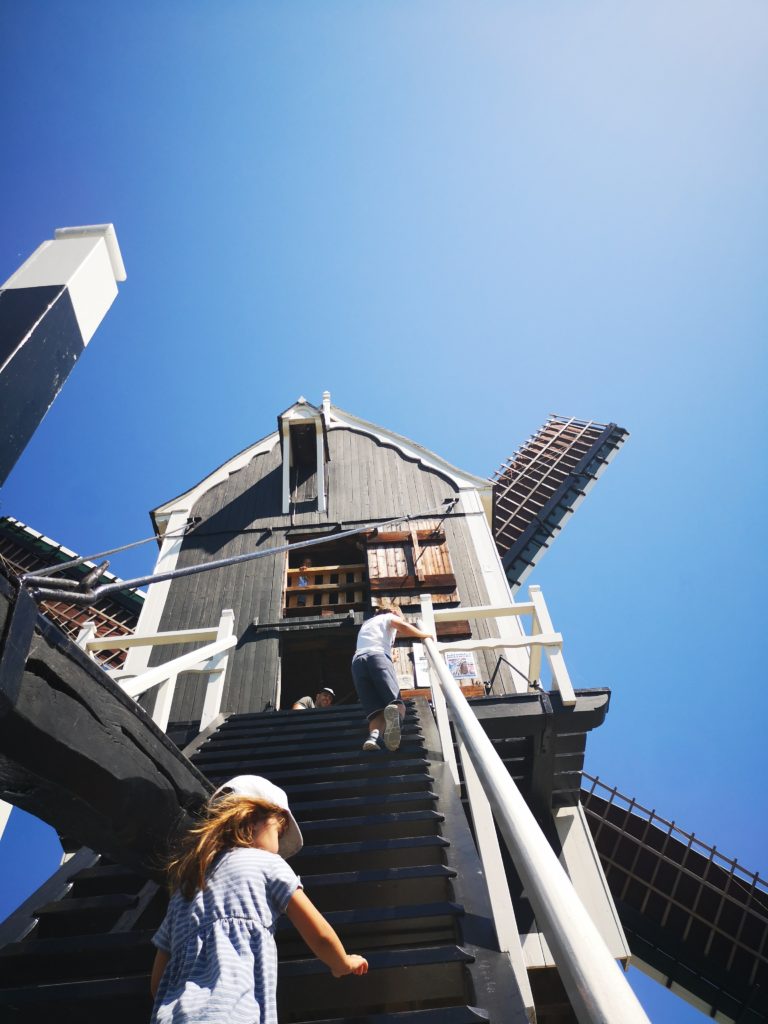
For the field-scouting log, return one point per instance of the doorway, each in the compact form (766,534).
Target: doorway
(310,661)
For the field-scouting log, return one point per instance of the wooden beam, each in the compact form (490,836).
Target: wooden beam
(497,643)
(482,611)
(177,636)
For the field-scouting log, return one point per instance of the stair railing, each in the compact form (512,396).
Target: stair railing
(596,987)
(211,659)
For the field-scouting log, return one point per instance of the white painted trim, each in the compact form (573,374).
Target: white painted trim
(320,457)
(499,594)
(189,498)
(137,685)
(481,612)
(137,659)
(334,419)
(496,643)
(214,690)
(438,700)
(428,459)
(285,433)
(5,813)
(561,681)
(83,266)
(105,231)
(122,643)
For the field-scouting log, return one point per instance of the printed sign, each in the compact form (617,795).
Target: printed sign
(461,664)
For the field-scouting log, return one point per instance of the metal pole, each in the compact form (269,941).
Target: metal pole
(596,987)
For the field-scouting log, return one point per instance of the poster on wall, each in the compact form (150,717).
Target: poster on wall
(461,665)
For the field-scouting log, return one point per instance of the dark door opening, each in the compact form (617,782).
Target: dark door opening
(309,662)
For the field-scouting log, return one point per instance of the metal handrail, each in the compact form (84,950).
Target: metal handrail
(598,991)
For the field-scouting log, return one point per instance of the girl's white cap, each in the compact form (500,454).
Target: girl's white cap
(258,788)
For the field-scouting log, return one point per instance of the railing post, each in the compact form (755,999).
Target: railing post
(561,681)
(164,701)
(438,700)
(87,633)
(598,991)
(214,691)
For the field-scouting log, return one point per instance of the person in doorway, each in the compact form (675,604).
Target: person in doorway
(216,960)
(323,699)
(303,581)
(374,674)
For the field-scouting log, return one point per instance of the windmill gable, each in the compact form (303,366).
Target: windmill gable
(368,476)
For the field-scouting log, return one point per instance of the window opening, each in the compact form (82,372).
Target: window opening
(326,579)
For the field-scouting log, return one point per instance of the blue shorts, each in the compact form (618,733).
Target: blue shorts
(376,682)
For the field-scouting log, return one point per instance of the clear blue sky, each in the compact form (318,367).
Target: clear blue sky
(457,217)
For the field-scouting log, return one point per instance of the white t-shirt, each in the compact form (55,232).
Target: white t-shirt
(377,635)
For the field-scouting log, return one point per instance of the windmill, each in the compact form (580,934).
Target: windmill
(383,517)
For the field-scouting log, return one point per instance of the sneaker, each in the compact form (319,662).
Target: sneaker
(392,727)
(371,743)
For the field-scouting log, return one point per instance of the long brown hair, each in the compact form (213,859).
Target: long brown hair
(228,822)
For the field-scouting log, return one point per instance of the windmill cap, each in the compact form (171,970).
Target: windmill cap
(258,788)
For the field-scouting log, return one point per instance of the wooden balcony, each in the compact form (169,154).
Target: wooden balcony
(325,590)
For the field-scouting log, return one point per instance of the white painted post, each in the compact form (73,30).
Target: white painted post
(438,700)
(86,634)
(285,431)
(214,691)
(164,701)
(5,813)
(561,681)
(137,659)
(596,987)
(498,889)
(320,475)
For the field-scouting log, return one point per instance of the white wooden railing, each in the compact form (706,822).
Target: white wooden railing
(541,641)
(598,991)
(211,659)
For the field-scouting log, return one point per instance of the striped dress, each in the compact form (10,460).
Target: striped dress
(223,966)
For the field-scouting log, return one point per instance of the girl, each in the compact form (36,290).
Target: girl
(216,960)
(374,674)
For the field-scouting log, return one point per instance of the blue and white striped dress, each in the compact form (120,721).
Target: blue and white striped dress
(223,966)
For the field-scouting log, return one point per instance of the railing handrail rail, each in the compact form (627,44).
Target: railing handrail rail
(598,991)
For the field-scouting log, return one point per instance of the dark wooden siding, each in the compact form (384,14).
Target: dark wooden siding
(366,481)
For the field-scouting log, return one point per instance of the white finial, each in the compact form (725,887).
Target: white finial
(327,406)
(301,400)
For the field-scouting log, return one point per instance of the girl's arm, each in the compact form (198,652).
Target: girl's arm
(321,938)
(406,629)
(158,969)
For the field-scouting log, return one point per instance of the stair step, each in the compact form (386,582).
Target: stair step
(385,960)
(306,811)
(397,980)
(291,757)
(380,887)
(299,734)
(382,927)
(380,915)
(441,1015)
(87,904)
(53,959)
(352,786)
(371,768)
(375,826)
(408,851)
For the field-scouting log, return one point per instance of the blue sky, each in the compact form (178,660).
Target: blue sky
(457,217)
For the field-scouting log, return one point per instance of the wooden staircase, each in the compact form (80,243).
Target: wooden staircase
(388,858)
